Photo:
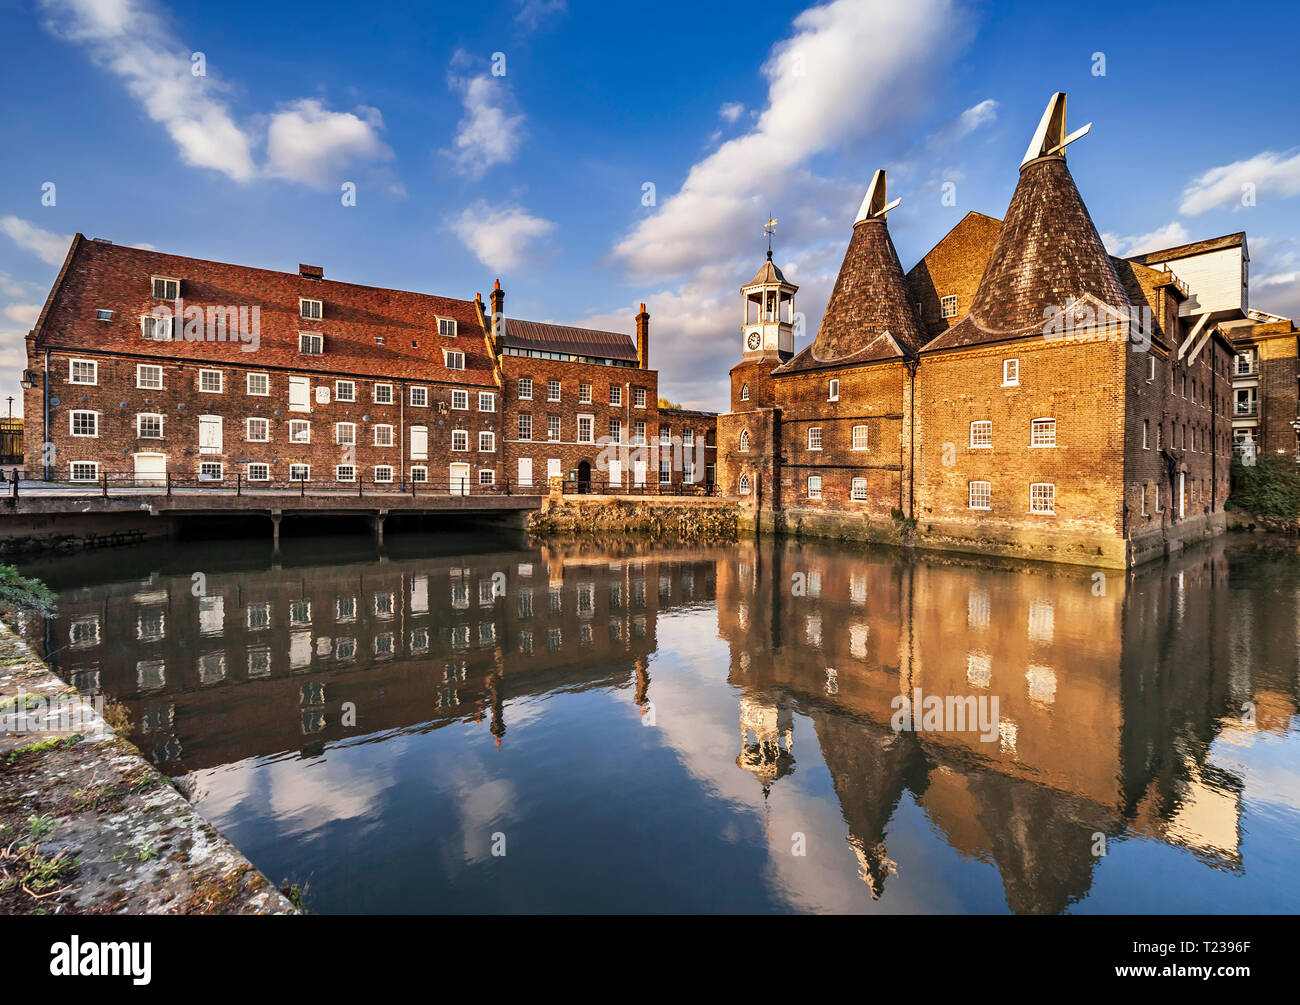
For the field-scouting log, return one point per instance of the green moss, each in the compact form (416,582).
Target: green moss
(1270,488)
(19,593)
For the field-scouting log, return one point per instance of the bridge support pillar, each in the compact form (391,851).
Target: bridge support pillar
(377,522)
(276,517)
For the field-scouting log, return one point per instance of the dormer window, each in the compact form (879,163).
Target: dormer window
(166,289)
(447,326)
(103,315)
(156,329)
(312,310)
(311,345)
(454,360)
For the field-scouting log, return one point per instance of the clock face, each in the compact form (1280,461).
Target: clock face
(754,340)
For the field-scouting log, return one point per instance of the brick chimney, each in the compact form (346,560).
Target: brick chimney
(498,317)
(311,271)
(643,339)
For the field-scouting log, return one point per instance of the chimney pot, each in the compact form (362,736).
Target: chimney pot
(311,271)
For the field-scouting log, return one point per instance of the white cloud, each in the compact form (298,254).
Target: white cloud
(532,13)
(967,122)
(732,111)
(50,248)
(308,143)
(499,238)
(487,134)
(23,314)
(1223,186)
(821,95)
(133,41)
(1169,236)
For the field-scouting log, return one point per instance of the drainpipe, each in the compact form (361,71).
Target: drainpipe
(45,453)
(401,436)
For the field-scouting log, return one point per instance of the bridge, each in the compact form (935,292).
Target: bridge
(32,507)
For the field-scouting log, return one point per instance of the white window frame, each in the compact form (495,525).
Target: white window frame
(311,343)
(833,389)
(311,310)
(220,475)
(948,306)
(616,395)
(72,471)
(1011,373)
(1042,432)
(72,423)
(982,423)
(453,359)
(459,400)
(417,396)
(248,385)
(744,441)
(248,429)
(590,421)
(419,473)
(444,323)
(383,426)
(139,376)
(985,491)
(348,429)
(522,420)
(554,424)
(305,468)
(221,382)
(384,398)
(638,397)
(345,472)
(584,393)
(1033,504)
(743,485)
(461,437)
(153,288)
(148,415)
(351,385)
(858,490)
(491,442)
(72,371)
(487,476)
(259,471)
(554,389)
(383,474)
(814,486)
(864,441)
(488,398)
(296,428)
(150,325)
(814,437)
(524,389)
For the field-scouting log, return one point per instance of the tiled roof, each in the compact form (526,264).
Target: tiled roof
(869,316)
(103,276)
(545,337)
(1047,252)
(1195,248)
(767,273)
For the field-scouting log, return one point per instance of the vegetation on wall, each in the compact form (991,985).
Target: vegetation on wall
(20,594)
(1271,488)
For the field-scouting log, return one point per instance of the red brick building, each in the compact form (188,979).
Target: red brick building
(146,365)
(1019,392)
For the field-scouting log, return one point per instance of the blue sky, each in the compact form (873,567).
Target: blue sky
(538,174)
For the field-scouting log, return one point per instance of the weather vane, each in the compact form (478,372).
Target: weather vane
(769,230)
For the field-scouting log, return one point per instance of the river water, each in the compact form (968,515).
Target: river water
(472,722)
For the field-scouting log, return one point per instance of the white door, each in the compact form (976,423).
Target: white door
(615,472)
(638,472)
(460,479)
(419,443)
(299,395)
(554,468)
(151,469)
(209,434)
(525,471)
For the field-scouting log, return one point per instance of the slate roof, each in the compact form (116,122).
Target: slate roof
(767,273)
(98,275)
(869,316)
(1188,250)
(545,337)
(1047,251)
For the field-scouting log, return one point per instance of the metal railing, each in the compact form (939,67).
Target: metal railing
(1242,410)
(596,486)
(169,484)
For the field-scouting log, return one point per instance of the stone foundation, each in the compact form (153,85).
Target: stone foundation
(686,519)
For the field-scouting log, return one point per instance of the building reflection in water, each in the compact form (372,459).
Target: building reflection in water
(1110,690)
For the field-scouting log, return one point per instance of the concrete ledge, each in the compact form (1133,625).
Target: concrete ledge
(116,835)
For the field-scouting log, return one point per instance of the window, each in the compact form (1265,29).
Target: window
(615,395)
(638,432)
(259,384)
(1146,434)
(299,472)
(156,329)
(259,472)
(383,436)
(419,474)
(980,495)
(447,327)
(299,431)
(383,394)
(948,306)
(586,428)
(460,401)
(103,315)
(1042,433)
(166,289)
(638,397)
(584,394)
(665,436)
(210,471)
(211,381)
(345,434)
(460,439)
(1042,497)
(833,390)
(383,473)
(552,427)
(665,472)
(312,345)
(552,390)
(688,437)
(744,441)
(419,396)
(149,426)
(85,471)
(1010,372)
(312,310)
(815,438)
(83,423)
(345,473)
(150,378)
(859,437)
(743,486)
(1144,499)
(83,371)
(525,426)
(487,442)
(487,476)
(525,389)
(859,490)
(487,401)
(257,430)
(1151,370)
(345,390)
(981,434)
(453,360)
(615,431)
(814,486)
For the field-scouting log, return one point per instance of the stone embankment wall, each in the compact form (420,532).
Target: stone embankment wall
(88,826)
(685,519)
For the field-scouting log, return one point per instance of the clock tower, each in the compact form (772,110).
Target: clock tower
(767,328)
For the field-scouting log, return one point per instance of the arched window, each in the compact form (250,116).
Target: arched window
(744,392)
(744,441)
(744,485)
